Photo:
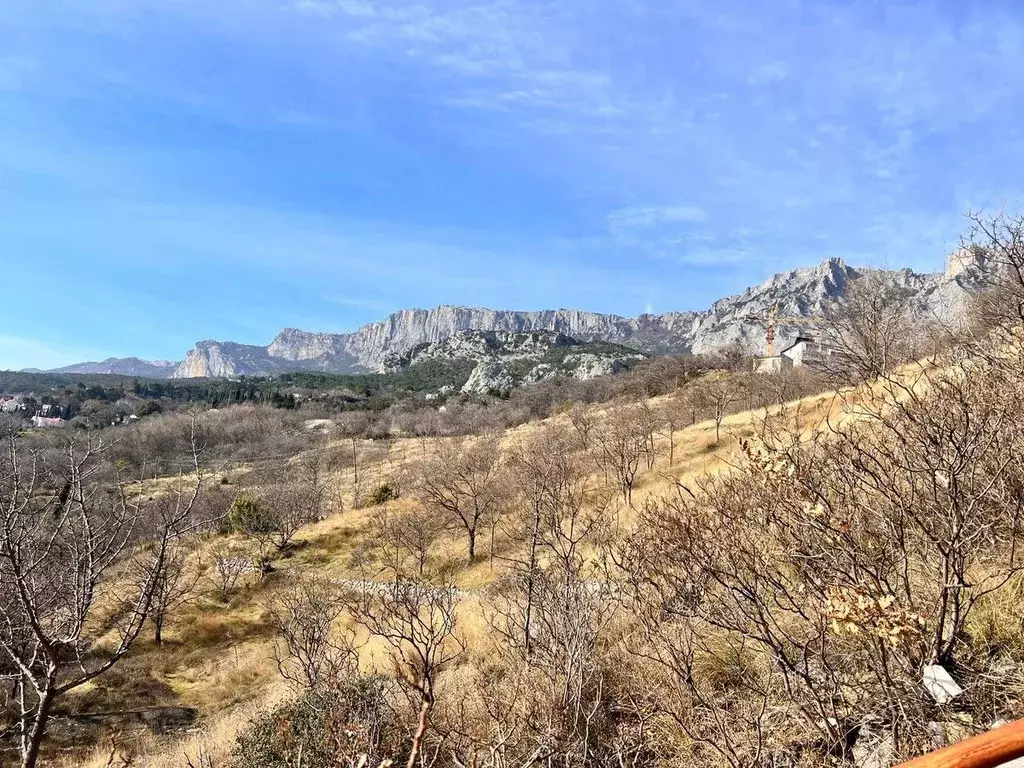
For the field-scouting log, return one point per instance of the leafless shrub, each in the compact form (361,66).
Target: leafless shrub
(460,481)
(418,623)
(997,241)
(400,542)
(311,650)
(869,330)
(67,523)
(825,575)
(622,442)
(229,565)
(716,396)
(175,583)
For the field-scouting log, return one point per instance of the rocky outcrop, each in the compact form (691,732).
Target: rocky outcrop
(799,292)
(482,346)
(124,366)
(490,377)
(217,359)
(505,359)
(586,365)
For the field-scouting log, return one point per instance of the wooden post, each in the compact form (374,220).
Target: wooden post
(986,750)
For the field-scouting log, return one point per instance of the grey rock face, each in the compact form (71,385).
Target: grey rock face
(506,359)
(480,346)
(586,365)
(489,376)
(799,293)
(123,366)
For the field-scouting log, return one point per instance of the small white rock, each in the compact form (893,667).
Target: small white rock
(940,685)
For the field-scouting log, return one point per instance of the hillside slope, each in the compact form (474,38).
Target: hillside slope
(219,655)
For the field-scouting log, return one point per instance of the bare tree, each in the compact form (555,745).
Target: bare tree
(583,422)
(67,522)
(296,499)
(461,481)
(716,396)
(174,586)
(556,510)
(401,541)
(311,650)
(252,517)
(418,623)
(622,441)
(869,330)
(551,607)
(996,243)
(230,564)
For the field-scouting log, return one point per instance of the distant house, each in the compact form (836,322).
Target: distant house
(806,351)
(44,422)
(11,404)
(803,351)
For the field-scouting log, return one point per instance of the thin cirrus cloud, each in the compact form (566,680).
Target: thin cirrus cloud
(348,156)
(644,217)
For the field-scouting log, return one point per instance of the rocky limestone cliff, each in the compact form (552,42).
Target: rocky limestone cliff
(798,292)
(123,366)
(481,346)
(507,359)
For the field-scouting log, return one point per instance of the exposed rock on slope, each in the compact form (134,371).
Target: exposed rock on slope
(507,359)
(489,376)
(124,366)
(799,292)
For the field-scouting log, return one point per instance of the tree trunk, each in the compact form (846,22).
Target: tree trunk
(158,629)
(531,574)
(421,730)
(30,748)
(471,533)
(355,474)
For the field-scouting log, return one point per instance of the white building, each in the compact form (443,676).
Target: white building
(11,404)
(42,421)
(803,351)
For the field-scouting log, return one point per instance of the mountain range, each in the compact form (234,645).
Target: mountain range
(728,321)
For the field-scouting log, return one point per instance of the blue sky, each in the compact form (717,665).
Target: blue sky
(172,170)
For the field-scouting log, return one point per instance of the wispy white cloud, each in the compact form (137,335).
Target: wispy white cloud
(317,8)
(786,115)
(609,145)
(643,217)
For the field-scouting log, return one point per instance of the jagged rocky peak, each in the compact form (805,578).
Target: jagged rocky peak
(798,293)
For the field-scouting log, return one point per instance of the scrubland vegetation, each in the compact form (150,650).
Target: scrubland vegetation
(687,565)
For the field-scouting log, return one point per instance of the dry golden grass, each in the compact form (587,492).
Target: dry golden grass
(219,658)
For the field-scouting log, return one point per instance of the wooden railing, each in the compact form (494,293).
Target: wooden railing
(986,750)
